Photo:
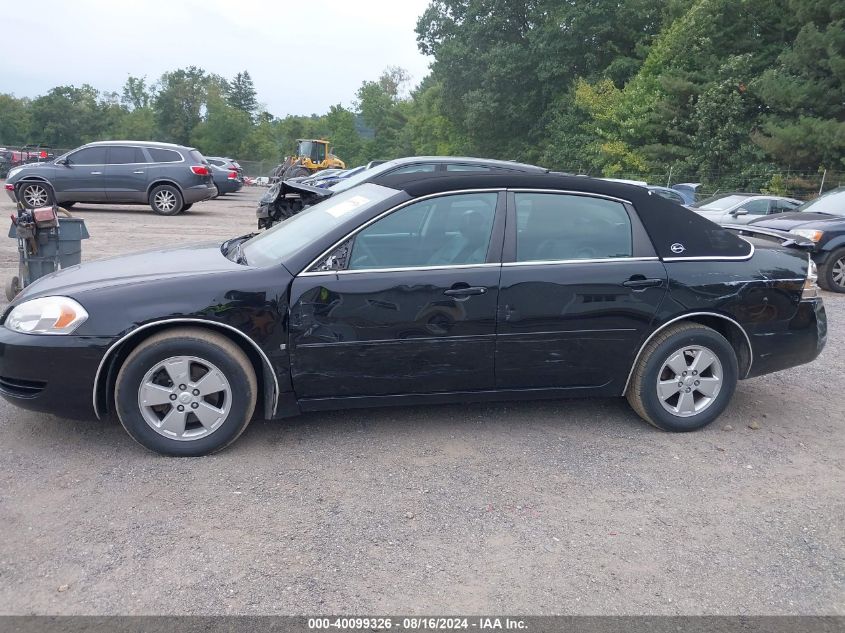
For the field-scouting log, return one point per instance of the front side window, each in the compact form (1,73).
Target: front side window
(555,227)
(88,156)
(756,207)
(451,230)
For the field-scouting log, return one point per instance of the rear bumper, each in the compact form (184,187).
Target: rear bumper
(799,342)
(198,193)
(53,374)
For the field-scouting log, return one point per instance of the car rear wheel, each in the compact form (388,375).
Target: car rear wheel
(684,378)
(166,200)
(832,273)
(35,195)
(186,392)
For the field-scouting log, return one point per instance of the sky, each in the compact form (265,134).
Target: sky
(303,57)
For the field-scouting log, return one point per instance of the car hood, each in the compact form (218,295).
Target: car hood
(795,220)
(144,267)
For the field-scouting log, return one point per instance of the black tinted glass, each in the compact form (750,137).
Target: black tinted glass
(164,155)
(554,227)
(119,155)
(89,156)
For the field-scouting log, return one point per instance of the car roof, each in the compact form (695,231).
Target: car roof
(470,160)
(141,143)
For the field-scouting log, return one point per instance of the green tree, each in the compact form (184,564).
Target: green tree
(67,116)
(223,130)
(241,93)
(15,120)
(179,103)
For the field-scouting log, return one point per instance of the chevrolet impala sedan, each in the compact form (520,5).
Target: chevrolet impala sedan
(416,289)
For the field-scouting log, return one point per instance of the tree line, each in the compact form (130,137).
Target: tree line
(614,87)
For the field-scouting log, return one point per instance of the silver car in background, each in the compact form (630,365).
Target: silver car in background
(742,208)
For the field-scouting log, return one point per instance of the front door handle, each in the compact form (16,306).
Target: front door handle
(96,173)
(638,282)
(465,291)
(140,171)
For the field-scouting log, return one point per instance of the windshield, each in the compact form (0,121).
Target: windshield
(832,203)
(300,230)
(348,183)
(721,203)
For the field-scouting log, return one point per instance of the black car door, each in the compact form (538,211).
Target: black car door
(413,309)
(580,285)
(126,174)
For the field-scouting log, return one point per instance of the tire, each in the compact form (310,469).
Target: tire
(166,200)
(295,171)
(186,207)
(685,343)
(35,194)
(832,273)
(220,415)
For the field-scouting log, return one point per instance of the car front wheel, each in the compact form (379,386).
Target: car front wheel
(832,273)
(35,195)
(166,200)
(186,392)
(684,378)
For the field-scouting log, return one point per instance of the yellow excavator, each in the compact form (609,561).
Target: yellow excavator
(311,156)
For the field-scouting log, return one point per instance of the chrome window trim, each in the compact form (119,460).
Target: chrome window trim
(599,260)
(716,258)
(141,328)
(307,270)
(681,318)
(586,194)
(318,273)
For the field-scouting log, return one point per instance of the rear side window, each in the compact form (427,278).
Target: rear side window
(164,155)
(415,169)
(555,227)
(120,155)
(451,167)
(88,156)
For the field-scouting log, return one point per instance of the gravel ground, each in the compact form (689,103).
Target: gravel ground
(533,508)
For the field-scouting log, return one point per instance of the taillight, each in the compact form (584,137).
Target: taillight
(810,289)
(200,170)
(9,187)
(233,175)
(43,154)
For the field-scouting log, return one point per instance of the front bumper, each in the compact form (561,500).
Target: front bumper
(53,374)
(801,340)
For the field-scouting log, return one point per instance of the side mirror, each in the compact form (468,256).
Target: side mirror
(736,212)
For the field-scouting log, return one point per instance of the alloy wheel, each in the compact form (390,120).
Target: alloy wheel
(689,381)
(165,200)
(35,196)
(838,272)
(184,398)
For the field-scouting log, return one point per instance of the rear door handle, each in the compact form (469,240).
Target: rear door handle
(96,173)
(466,291)
(641,283)
(140,171)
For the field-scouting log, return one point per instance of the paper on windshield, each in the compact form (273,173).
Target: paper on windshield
(342,208)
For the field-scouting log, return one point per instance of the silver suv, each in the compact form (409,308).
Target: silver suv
(170,178)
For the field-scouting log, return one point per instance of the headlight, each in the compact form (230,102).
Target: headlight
(46,315)
(810,234)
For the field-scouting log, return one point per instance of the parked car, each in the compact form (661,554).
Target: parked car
(262,181)
(742,208)
(823,222)
(669,194)
(286,197)
(170,178)
(465,287)
(225,163)
(226,180)
(688,191)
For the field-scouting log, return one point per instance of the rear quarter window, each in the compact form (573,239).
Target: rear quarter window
(164,155)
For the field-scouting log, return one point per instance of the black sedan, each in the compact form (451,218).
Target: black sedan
(419,289)
(823,222)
